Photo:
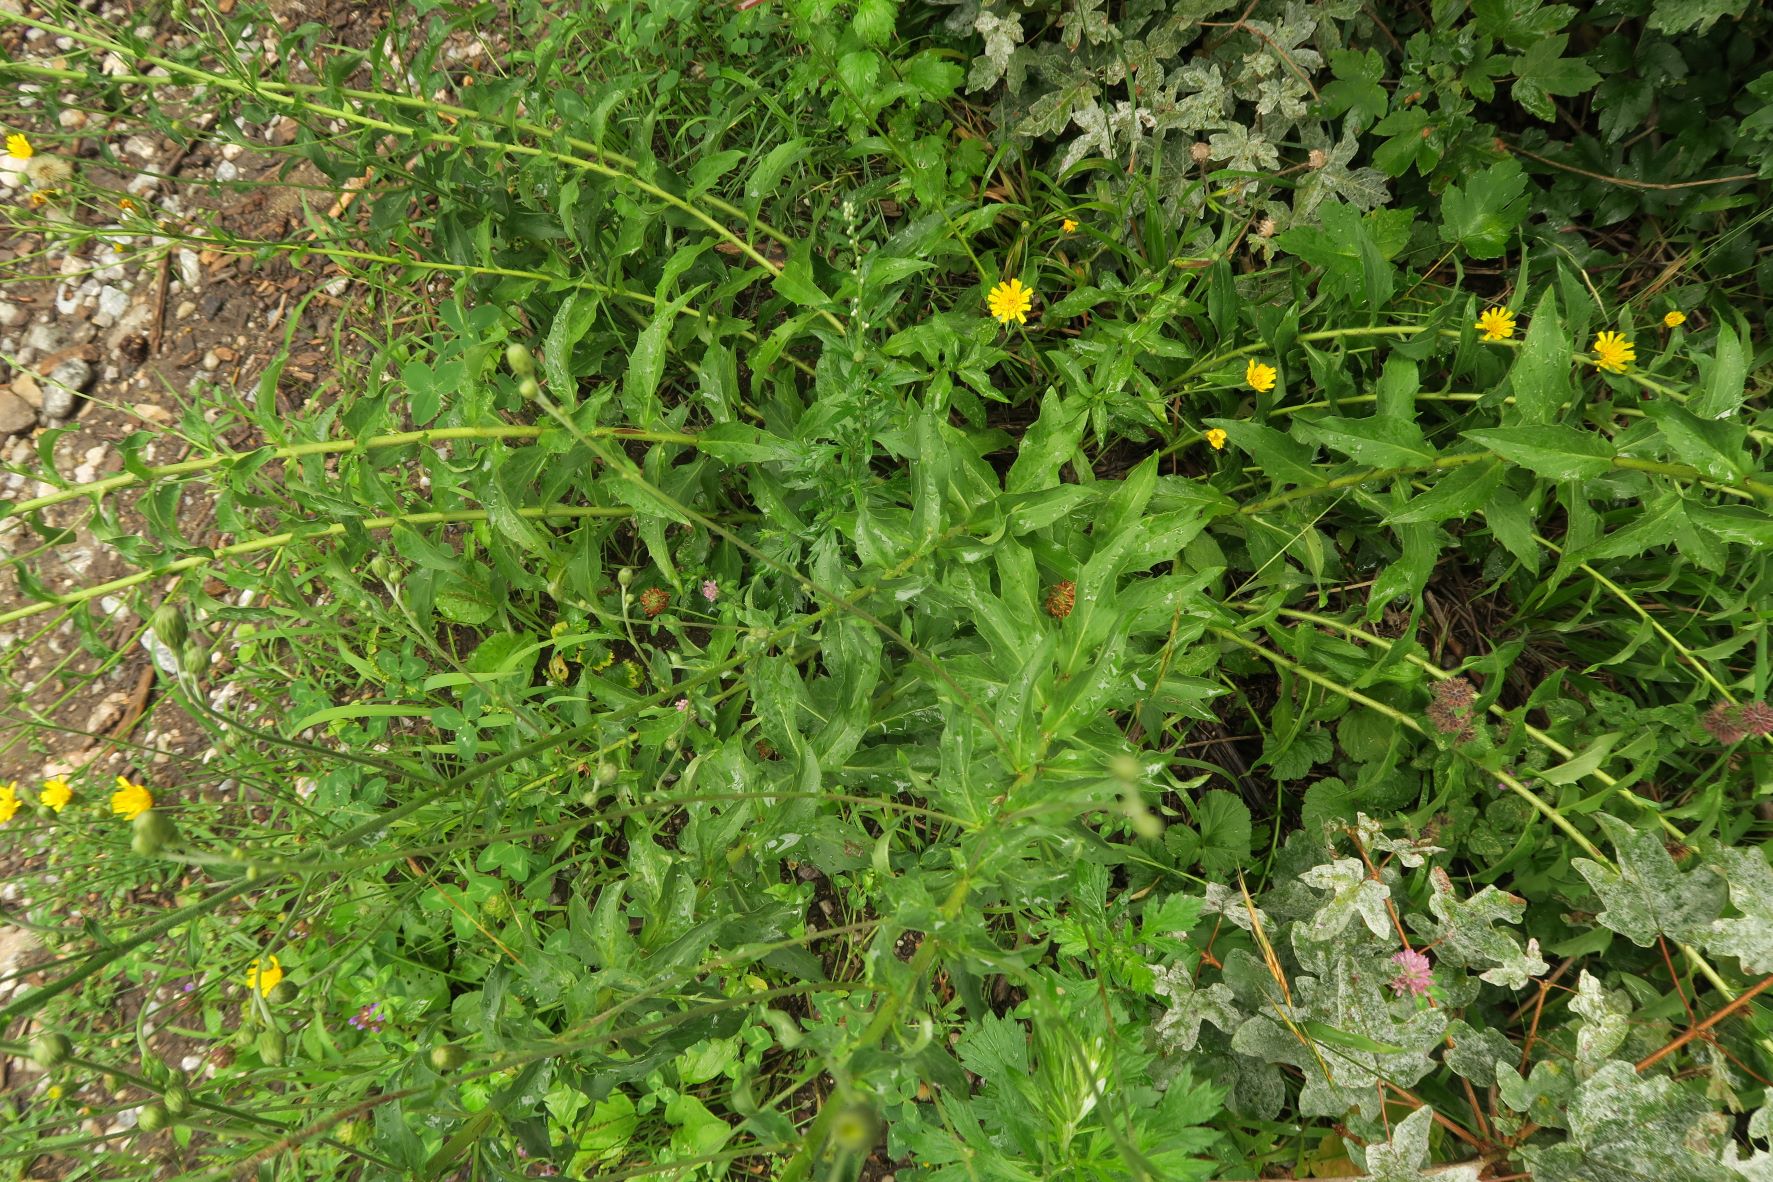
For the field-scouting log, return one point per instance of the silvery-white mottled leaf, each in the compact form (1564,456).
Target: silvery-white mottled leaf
(1542,1095)
(1222,900)
(1363,188)
(1404,1158)
(1756,1166)
(1350,997)
(1465,937)
(1760,1125)
(1049,113)
(1094,122)
(1351,893)
(1282,97)
(1178,1029)
(1517,970)
(1243,151)
(1205,104)
(1648,895)
(1604,1025)
(1749,938)
(1085,18)
(1475,1053)
(1411,851)
(1002,34)
(1626,1125)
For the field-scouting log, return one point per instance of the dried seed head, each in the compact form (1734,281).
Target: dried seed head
(1450,712)
(1201,151)
(1317,159)
(1061,599)
(1758,718)
(1266,228)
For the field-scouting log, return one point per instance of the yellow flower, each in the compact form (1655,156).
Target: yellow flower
(1674,319)
(130,800)
(56,794)
(125,205)
(38,198)
(1215,437)
(8,802)
(1068,225)
(54,1092)
(18,147)
(1497,323)
(1613,352)
(264,978)
(1260,377)
(1010,301)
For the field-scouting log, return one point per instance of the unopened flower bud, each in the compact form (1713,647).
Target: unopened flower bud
(520,359)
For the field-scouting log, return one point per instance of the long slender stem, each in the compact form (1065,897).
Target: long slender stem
(276,541)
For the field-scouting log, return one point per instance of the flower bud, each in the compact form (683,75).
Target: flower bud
(168,623)
(153,829)
(448,1056)
(528,388)
(51,1049)
(520,359)
(152,1118)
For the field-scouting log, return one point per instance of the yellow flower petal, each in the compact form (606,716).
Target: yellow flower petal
(1009,301)
(1674,319)
(1497,323)
(1068,225)
(56,794)
(1260,377)
(8,802)
(1215,437)
(263,975)
(18,147)
(130,800)
(1613,352)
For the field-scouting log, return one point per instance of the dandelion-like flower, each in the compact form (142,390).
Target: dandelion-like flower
(654,600)
(368,1019)
(1415,975)
(1068,225)
(710,590)
(56,794)
(130,800)
(1674,319)
(126,205)
(1215,438)
(1010,301)
(263,974)
(1613,352)
(1758,718)
(19,147)
(8,802)
(1497,323)
(1260,377)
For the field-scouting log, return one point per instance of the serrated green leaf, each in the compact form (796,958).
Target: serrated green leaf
(1551,451)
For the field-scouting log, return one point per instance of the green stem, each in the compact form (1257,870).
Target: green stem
(1435,671)
(99,488)
(292,100)
(275,541)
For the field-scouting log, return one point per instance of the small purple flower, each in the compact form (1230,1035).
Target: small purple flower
(710,590)
(369,1018)
(1415,976)
(683,705)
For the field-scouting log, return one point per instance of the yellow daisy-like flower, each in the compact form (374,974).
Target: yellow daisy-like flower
(1068,225)
(130,800)
(1260,377)
(1674,319)
(1497,323)
(1214,437)
(18,147)
(1010,301)
(8,802)
(56,794)
(126,205)
(54,1091)
(38,198)
(264,975)
(1613,352)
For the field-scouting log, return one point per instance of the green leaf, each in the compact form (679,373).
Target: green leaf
(741,443)
(768,174)
(423,398)
(858,70)
(1715,448)
(1749,937)
(795,283)
(1551,451)
(1225,829)
(874,20)
(1725,378)
(1482,214)
(1350,1041)
(1459,493)
(1543,71)
(1540,376)
(1377,442)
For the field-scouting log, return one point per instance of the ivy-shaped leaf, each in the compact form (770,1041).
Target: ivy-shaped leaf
(1749,938)
(1178,1029)
(1648,895)
(1352,893)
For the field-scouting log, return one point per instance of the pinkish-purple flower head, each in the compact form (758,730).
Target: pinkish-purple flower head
(710,590)
(1415,975)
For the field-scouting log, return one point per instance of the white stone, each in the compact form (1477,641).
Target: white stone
(232,151)
(227,170)
(112,303)
(140,145)
(190,269)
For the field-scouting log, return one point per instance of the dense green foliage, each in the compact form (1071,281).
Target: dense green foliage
(702,697)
